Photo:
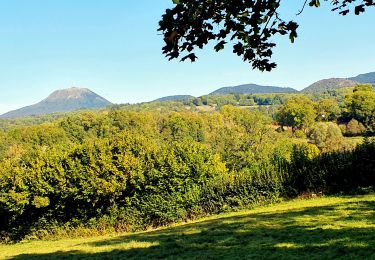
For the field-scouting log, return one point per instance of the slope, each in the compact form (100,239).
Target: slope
(330,84)
(252,89)
(64,100)
(320,228)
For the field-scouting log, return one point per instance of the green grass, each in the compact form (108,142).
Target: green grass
(320,228)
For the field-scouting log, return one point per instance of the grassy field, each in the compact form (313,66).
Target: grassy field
(320,228)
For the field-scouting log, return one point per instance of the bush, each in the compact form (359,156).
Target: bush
(299,134)
(326,136)
(354,128)
(339,171)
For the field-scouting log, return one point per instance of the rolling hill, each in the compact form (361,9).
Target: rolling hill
(330,84)
(252,89)
(365,78)
(63,100)
(174,98)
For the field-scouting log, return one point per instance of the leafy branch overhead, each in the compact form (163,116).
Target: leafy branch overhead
(248,25)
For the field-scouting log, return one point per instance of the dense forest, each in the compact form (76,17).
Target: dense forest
(130,167)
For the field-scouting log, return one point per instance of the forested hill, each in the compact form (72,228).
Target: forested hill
(64,100)
(252,89)
(365,78)
(330,84)
(174,98)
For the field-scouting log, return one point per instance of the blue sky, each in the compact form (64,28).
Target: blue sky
(113,48)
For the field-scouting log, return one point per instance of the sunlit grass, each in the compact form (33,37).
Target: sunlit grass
(320,228)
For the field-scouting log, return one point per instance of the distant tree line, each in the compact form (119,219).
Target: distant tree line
(357,111)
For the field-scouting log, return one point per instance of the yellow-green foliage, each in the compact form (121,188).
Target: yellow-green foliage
(138,169)
(118,170)
(354,128)
(327,136)
(327,110)
(360,105)
(297,112)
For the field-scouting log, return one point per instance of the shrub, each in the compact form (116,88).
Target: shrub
(326,136)
(299,134)
(338,171)
(355,128)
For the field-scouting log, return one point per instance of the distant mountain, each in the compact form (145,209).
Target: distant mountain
(252,89)
(365,78)
(174,98)
(330,84)
(64,100)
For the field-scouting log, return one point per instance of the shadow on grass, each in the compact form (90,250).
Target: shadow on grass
(344,231)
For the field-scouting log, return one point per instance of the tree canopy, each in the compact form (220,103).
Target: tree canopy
(298,113)
(361,105)
(249,26)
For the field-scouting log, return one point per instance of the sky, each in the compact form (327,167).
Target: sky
(113,48)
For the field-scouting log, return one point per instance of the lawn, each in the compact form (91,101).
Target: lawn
(320,228)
